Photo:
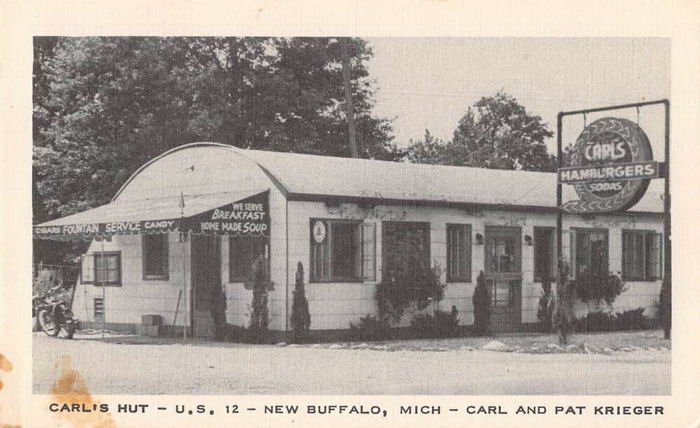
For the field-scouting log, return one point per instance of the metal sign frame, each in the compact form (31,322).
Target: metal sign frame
(666,287)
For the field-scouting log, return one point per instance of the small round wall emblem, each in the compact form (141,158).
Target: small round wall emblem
(319,231)
(611,166)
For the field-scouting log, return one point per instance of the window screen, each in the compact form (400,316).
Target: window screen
(459,249)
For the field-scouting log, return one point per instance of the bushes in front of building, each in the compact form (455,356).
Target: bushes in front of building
(217,308)
(545,306)
(259,315)
(633,319)
(371,328)
(439,324)
(598,288)
(257,331)
(401,289)
(481,301)
(563,307)
(301,319)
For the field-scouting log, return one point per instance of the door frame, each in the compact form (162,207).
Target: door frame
(514,312)
(193,282)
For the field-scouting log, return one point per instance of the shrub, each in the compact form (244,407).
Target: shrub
(482,306)
(595,321)
(563,310)
(440,324)
(402,288)
(236,333)
(371,328)
(259,316)
(596,288)
(301,319)
(545,306)
(217,308)
(657,312)
(633,319)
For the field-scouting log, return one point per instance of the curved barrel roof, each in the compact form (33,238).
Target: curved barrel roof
(313,176)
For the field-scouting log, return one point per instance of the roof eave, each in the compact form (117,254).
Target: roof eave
(375,200)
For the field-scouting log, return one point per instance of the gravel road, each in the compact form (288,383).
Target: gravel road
(169,367)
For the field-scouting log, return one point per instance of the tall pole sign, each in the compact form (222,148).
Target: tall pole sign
(610,167)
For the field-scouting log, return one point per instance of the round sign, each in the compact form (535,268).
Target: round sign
(319,231)
(610,146)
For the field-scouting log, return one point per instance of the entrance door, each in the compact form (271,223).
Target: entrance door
(504,277)
(206,278)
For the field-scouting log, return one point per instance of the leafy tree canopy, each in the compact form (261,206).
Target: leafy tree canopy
(497,132)
(105,105)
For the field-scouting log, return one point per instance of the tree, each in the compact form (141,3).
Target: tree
(106,105)
(43,50)
(497,132)
(113,103)
(347,86)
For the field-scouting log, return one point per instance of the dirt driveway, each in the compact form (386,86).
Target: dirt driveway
(449,366)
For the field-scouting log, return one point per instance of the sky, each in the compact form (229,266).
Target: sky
(428,83)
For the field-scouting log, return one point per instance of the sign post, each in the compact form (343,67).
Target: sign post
(666,294)
(562,286)
(611,165)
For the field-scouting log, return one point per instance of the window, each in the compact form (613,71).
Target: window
(545,260)
(405,247)
(87,270)
(459,253)
(502,254)
(108,268)
(98,308)
(342,250)
(641,255)
(155,256)
(243,252)
(591,253)
(502,293)
(503,265)
(99,270)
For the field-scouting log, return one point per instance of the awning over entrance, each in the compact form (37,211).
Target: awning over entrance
(230,213)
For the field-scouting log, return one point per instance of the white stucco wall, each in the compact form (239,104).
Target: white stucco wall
(194,170)
(336,305)
(135,296)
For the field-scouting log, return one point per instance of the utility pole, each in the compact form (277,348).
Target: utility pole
(562,281)
(349,110)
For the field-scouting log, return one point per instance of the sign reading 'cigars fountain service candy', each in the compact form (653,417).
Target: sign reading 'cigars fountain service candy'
(611,166)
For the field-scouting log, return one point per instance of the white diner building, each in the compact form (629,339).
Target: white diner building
(342,219)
